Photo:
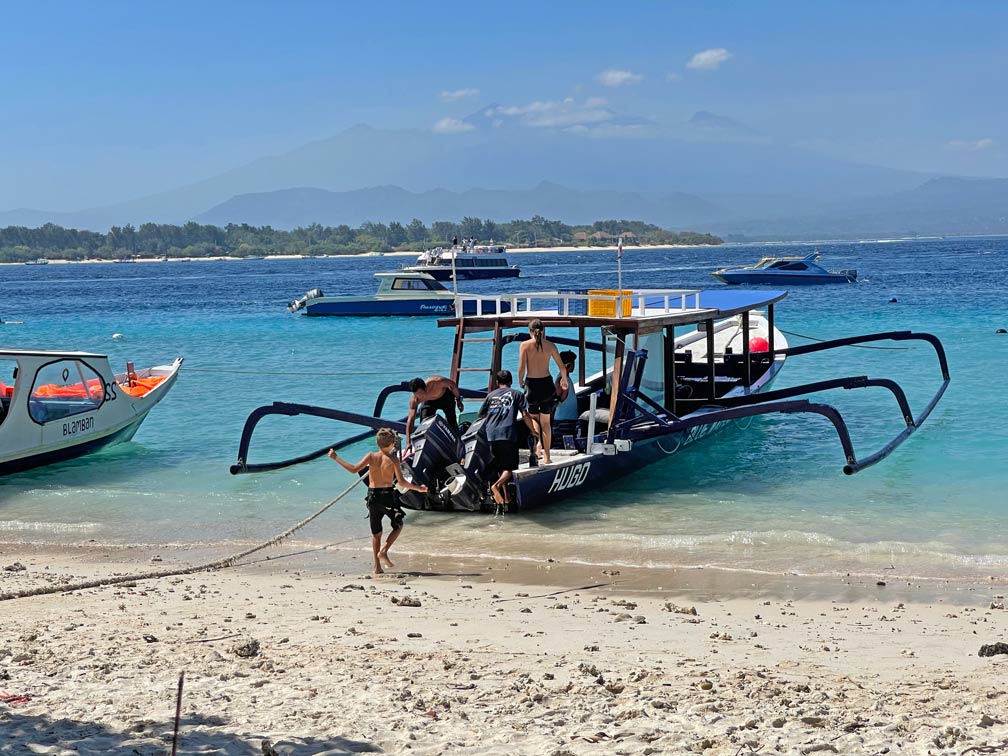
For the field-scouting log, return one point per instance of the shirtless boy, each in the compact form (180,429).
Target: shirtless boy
(534,376)
(384,471)
(436,393)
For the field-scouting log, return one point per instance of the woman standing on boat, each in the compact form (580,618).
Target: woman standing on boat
(534,376)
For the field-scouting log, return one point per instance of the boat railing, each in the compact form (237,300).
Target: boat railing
(587,302)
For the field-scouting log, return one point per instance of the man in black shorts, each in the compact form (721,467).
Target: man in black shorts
(501,408)
(436,393)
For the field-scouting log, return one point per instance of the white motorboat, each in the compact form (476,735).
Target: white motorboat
(61,405)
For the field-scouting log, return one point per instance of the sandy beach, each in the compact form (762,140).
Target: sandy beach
(307,652)
(397,253)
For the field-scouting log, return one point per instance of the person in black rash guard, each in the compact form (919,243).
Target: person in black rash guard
(384,471)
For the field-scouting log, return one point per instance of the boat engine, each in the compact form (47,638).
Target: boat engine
(298,304)
(435,447)
(467,488)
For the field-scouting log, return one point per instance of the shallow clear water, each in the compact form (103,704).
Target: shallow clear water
(767,495)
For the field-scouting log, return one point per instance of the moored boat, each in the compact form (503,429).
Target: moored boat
(400,293)
(470,262)
(778,271)
(61,405)
(671,367)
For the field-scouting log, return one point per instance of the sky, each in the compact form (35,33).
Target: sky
(104,102)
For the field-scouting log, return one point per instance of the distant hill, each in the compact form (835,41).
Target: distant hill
(940,206)
(712,156)
(290,208)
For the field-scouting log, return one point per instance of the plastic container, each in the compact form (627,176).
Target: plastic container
(606,308)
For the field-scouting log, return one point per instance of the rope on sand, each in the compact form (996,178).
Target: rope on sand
(154,574)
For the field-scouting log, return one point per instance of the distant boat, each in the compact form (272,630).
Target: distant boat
(66,404)
(785,270)
(479,261)
(38,261)
(400,293)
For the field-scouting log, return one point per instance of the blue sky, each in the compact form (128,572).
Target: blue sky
(107,101)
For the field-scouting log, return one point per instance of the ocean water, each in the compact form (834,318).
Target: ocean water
(767,495)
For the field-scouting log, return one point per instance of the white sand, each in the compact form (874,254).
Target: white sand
(485,667)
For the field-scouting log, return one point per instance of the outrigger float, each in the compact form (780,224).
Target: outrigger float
(676,366)
(61,405)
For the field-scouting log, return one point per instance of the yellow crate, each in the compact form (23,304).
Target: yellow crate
(606,308)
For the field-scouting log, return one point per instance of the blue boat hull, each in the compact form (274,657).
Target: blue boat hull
(753,277)
(445,274)
(537,491)
(393,308)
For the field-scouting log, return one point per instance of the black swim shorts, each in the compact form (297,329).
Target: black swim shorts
(446,403)
(382,502)
(505,455)
(541,395)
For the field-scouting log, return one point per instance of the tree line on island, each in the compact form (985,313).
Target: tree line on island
(22,244)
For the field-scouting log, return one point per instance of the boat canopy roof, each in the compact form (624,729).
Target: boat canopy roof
(643,310)
(766,261)
(50,353)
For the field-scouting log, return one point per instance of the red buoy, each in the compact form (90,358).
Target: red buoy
(758,344)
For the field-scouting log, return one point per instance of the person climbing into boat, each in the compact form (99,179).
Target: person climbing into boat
(384,471)
(501,408)
(436,393)
(534,376)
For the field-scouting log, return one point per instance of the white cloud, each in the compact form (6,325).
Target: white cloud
(617,78)
(556,113)
(452,126)
(970,145)
(709,60)
(672,76)
(453,95)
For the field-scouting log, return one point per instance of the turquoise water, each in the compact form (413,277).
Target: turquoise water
(768,495)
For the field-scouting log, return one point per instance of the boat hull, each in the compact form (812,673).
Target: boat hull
(793,279)
(444,273)
(51,456)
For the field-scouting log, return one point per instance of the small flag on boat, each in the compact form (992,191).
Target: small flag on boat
(619,249)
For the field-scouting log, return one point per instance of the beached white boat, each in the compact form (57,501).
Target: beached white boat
(60,405)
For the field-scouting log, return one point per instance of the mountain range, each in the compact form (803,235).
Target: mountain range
(710,174)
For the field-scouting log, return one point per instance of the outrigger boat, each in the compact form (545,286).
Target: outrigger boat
(61,405)
(676,366)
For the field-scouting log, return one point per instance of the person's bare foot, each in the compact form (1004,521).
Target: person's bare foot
(387,562)
(378,570)
(498,495)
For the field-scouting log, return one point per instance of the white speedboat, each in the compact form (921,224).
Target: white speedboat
(60,405)
(785,270)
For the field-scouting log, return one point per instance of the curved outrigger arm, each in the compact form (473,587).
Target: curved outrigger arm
(372,422)
(291,410)
(912,423)
(781,400)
